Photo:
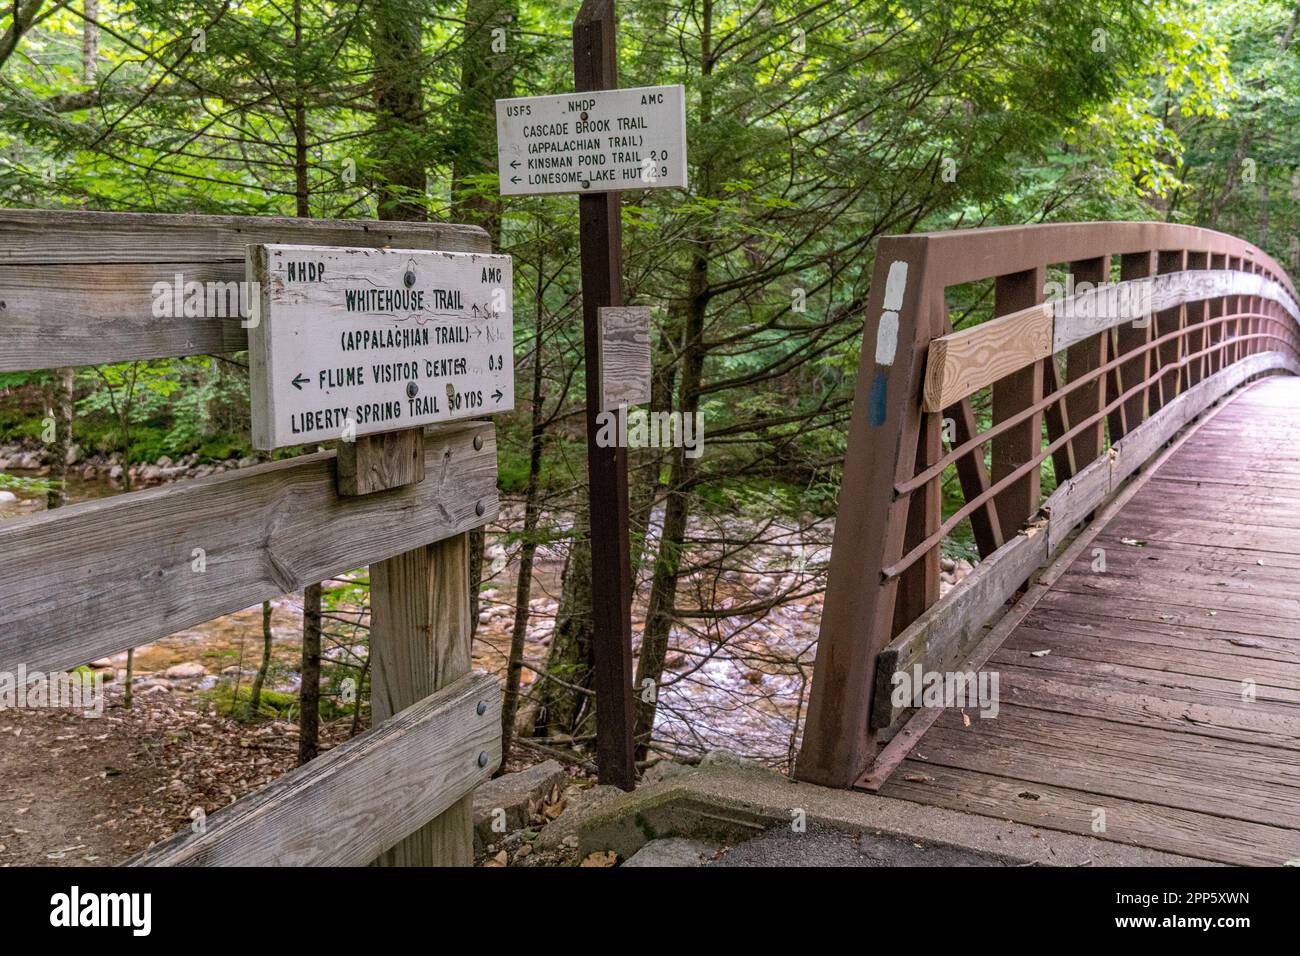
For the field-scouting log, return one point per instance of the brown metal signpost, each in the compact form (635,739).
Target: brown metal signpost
(595,67)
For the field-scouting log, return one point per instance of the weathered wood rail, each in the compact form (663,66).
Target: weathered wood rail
(100,577)
(1176,318)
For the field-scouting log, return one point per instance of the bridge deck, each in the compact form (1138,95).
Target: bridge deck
(1169,699)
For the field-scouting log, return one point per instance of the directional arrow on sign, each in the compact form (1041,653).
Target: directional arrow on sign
(514,179)
(514,164)
(497,394)
(299,380)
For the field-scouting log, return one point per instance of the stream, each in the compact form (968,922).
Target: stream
(738,682)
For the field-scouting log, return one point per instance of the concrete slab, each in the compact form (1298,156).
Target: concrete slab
(674,851)
(822,845)
(504,801)
(730,805)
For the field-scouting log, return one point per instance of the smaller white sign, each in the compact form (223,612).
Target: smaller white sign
(601,141)
(348,341)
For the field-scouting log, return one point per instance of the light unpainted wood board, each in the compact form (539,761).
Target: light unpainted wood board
(961,363)
(349,804)
(92,579)
(624,356)
(81,288)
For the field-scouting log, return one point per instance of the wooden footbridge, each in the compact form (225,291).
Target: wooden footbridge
(1124,661)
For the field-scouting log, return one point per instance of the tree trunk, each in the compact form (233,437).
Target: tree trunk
(396,30)
(90,42)
(309,695)
(255,695)
(22,16)
(668,562)
(645,479)
(477,554)
(528,548)
(487,74)
(60,411)
(562,709)
(128,689)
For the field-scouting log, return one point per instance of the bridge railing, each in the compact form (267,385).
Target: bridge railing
(1157,321)
(93,579)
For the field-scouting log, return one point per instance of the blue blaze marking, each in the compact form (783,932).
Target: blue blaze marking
(879,391)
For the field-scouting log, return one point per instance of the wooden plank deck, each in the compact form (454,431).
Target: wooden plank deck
(1166,712)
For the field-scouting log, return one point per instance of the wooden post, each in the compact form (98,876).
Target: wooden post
(1214,310)
(1014,393)
(1165,388)
(595,67)
(1233,329)
(1080,359)
(1132,335)
(1198,335)
(419,634)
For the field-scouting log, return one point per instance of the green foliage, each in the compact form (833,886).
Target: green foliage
(36,486)
(272,704)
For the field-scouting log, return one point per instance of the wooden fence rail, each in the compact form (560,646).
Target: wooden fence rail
(349,805)
(96,578)
(1213,312)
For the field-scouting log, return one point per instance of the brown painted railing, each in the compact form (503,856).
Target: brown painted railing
(1190,315)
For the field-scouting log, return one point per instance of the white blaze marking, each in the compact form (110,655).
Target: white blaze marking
(887,333)
(887,339)
(894,285)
